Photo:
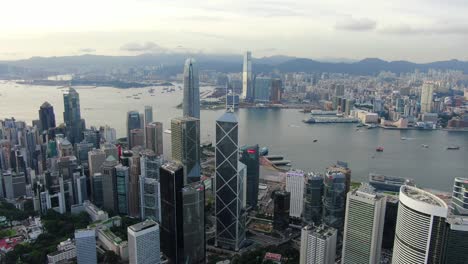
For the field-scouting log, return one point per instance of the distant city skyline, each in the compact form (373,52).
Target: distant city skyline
(392,30)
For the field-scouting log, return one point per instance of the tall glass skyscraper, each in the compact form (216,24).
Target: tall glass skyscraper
(148,114)
(313,199)
(229,212)
(262,92)
(191,103)
(247,89)
(46,116)
(154,137)
(334,200)
(133,122)
(182,223)
(185,139)
(250,157)
(121,174)
(72,116)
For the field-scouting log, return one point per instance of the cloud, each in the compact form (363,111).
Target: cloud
(356,24)
(87,50)
(405,29)
(142,47)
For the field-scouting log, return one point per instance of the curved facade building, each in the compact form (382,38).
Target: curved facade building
(420,229)
(191,103)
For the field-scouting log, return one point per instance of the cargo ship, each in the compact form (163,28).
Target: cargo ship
(388,183)
(329,119)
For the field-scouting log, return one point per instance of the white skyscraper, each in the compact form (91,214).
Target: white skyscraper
(318,245)
(143,243)
(247,76)
(85,240)
(426,97)
(364,224)
(295,180)
(420,227)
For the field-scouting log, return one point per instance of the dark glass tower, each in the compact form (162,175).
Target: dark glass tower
(46,116)
(191,104)
(250,157)
(229,211)
(313,199)
(133,122)
(72,116)
(334,200)
(185,138)
(281,200)
(182,223)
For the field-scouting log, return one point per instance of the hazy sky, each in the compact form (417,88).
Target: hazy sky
(417,30)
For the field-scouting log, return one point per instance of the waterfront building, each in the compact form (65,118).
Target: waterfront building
(133,122)
(364,225)
(313,204)
(391,214)
(456,242)
(185,137)
(144,243)
(182,223)
(318,245)
(85,240)
(72,116)
(334,200)
(191,103)
(276,91)
(154,137)
(281,203)
(250,157)
(47,118)
(148,114)
(459,205)
(420,227)
(247,89)
(295,180)
(262,88)
(427,92)
(229,213)
(342,167)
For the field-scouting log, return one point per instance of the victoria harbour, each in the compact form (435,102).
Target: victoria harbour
(281,130)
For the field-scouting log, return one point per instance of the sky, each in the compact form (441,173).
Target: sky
(415,30)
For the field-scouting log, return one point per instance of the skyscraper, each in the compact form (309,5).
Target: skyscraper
(262,88)
(276,91)
(295,185)
(250,157)
(459,205)
(122,190)
(313,204)
(109,184)
(154,137)
(182,223)
(364,225)
(96,158)
(318,245)
(137,138)
(144,243)
(150,193)
(427,91)
(46,116)
(185,139)
(85,240)
(148,114)
(229,212)
(420,227)
(72,116)
(191,103)
(281,203)
(247,89)
(334,200)
(133,122)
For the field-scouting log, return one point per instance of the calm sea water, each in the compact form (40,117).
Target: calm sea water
(281,130)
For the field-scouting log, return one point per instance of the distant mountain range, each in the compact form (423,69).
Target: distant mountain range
(173,64)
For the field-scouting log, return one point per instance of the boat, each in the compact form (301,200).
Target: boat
(168,131)
(453,147)
(425,146)
(263,151)
(325,120)
(371,126)
(360,125)
(315,140)
(403,138)
(379,149)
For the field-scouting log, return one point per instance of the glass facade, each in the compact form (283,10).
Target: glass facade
(133,122)
(250,157)
(334,200)
(194,223)
(122,188)
(313,199)
(262,89)
(281,202)
(72,116)
(191,103)
(185,139)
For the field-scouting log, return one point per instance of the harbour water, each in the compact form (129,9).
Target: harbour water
(282,130)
